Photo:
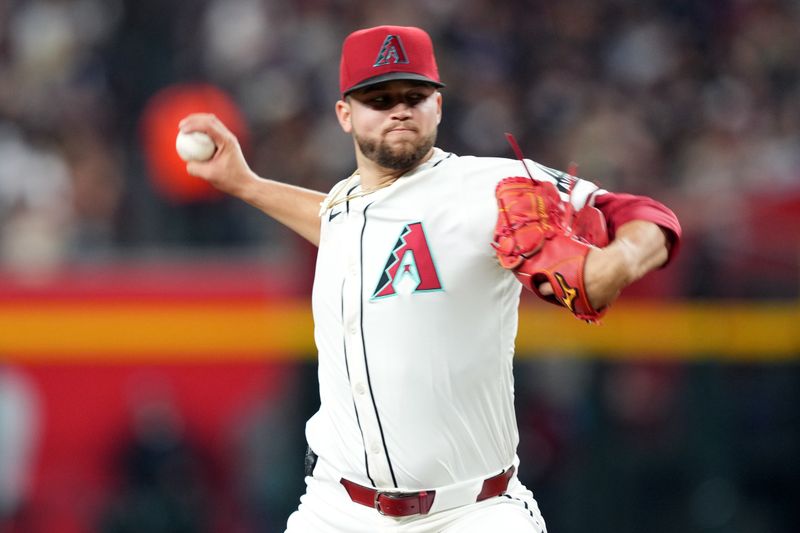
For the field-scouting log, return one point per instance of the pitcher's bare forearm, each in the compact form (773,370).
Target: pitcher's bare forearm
(645,248)
(294,207)
(638,247)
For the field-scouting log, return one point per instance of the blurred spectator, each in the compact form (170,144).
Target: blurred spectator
(164,484)
(35,204)
(20,428)
(267,448)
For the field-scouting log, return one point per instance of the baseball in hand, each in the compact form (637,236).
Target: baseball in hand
(194,146)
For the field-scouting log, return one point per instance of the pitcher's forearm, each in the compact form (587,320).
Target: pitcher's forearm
(294,207)
(638,248)
(643,245)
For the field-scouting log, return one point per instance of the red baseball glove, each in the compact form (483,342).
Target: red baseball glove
(542,239)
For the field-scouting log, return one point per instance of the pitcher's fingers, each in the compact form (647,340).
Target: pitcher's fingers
(196,121)
(194,168)
(213,127)
(546,289)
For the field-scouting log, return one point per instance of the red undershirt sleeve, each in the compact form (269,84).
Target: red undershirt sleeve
(621,208)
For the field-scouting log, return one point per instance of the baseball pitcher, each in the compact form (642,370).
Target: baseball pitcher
(422,257)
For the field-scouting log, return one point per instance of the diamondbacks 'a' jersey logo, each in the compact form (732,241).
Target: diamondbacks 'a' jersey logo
(410,266)
(392,51)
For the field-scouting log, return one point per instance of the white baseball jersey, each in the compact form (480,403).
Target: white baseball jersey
(415,323)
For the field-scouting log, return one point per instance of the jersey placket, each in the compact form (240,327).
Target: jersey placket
(379,469)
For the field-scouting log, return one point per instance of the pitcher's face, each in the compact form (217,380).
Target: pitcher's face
(394,123)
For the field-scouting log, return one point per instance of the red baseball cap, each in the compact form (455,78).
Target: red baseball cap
(384,53)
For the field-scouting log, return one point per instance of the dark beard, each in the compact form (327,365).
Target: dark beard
(402,159)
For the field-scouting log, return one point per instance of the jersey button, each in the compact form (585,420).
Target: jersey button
(375,448)
(360,388)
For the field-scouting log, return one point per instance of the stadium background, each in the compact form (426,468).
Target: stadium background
(156,357)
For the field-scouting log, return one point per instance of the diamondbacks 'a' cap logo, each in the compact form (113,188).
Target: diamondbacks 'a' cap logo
(410,266)
(392,51)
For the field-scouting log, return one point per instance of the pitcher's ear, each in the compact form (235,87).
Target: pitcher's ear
(343,115)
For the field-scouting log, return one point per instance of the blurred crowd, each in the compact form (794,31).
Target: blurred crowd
(695,103)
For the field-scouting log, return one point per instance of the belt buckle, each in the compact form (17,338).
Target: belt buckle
(424,500)
(378,493)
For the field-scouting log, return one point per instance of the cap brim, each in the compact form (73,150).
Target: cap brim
(391,76)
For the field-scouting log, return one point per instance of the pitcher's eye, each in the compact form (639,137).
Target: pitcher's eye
(413,99)
(380,102)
